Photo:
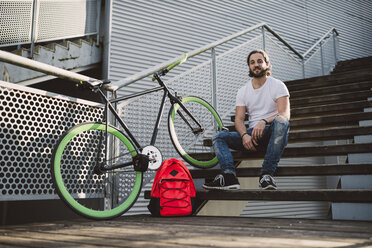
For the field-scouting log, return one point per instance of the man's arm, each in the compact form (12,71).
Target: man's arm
(283,107)
(283,112)
(241,128)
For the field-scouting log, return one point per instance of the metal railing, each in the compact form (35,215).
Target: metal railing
(42,21)
(52,70)
(213,45)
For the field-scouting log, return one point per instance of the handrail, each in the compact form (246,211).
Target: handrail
(45,68)
(320,40)
(283,41)
(131,79)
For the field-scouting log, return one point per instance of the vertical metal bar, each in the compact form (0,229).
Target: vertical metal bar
(98,21)
(321,57)
(335,47)
(303,68)
(33,23)
(263,39)
(214,78)
(107,39)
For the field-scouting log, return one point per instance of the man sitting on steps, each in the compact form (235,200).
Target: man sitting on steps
(266,100)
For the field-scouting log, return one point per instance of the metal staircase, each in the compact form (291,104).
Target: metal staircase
(75,55)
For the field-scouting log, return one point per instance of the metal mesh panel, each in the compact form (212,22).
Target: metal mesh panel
(313,65)
(30,124)
(329,60)
(232,73)
(60,19)
(15,21)
(284,66)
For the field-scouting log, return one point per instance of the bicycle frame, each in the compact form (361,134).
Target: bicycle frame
(110,108)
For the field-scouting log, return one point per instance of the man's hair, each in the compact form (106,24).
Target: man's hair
(266,58)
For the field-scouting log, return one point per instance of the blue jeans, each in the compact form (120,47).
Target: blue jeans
(273,141)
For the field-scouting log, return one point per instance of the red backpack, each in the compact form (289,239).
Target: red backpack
(173,191)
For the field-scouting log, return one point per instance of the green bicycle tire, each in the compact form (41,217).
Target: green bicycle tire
(79,132)
(182,136)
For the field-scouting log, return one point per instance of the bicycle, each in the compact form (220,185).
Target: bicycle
(93,190)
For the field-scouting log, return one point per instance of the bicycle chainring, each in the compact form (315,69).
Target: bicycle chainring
(155,157)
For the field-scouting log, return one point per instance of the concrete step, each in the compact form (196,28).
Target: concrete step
(363,74)
(328,195)
(340,133)
(298,152)
(336,120)
(328,109)
(307,170)
(351,87)
(316,122)
(328,134)
(352,65)
(331,99)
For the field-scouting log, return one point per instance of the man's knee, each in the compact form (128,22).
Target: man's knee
(280,129)
(220,135)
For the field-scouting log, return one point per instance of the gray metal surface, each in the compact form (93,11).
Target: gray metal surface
(146,33)
(31,122)
(53,20)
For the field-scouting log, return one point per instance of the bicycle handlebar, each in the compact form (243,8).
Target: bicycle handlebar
(164,71)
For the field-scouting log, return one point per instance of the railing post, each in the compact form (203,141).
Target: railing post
(321,57)
(214,79)
(33,24)
(335,47)
(263,39)
(98,21)
(303,68)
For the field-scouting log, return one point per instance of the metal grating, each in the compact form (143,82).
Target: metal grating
(31,121)
(60,19)
(53,20)
(15,21)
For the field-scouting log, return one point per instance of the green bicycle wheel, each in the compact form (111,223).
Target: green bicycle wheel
(88,192)
(188,141)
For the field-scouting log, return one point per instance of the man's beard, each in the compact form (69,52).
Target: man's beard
(258,75)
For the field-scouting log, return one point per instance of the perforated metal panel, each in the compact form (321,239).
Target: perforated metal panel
(53,20)
(15,21)
(31,121)
(58,19)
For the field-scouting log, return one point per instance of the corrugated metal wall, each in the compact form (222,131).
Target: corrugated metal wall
(146,33)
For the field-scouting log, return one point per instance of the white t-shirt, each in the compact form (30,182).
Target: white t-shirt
(261,103)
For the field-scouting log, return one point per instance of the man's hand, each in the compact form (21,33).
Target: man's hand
(257,131)
(249,143)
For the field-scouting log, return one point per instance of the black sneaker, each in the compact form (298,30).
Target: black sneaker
(267,182)
(223,182)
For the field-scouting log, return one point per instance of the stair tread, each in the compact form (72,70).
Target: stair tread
(304,170)
(331,98)
(320,134)
(297,152)
(329,195)
(332,79)
(343,119)
(356,86)
(331,108)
